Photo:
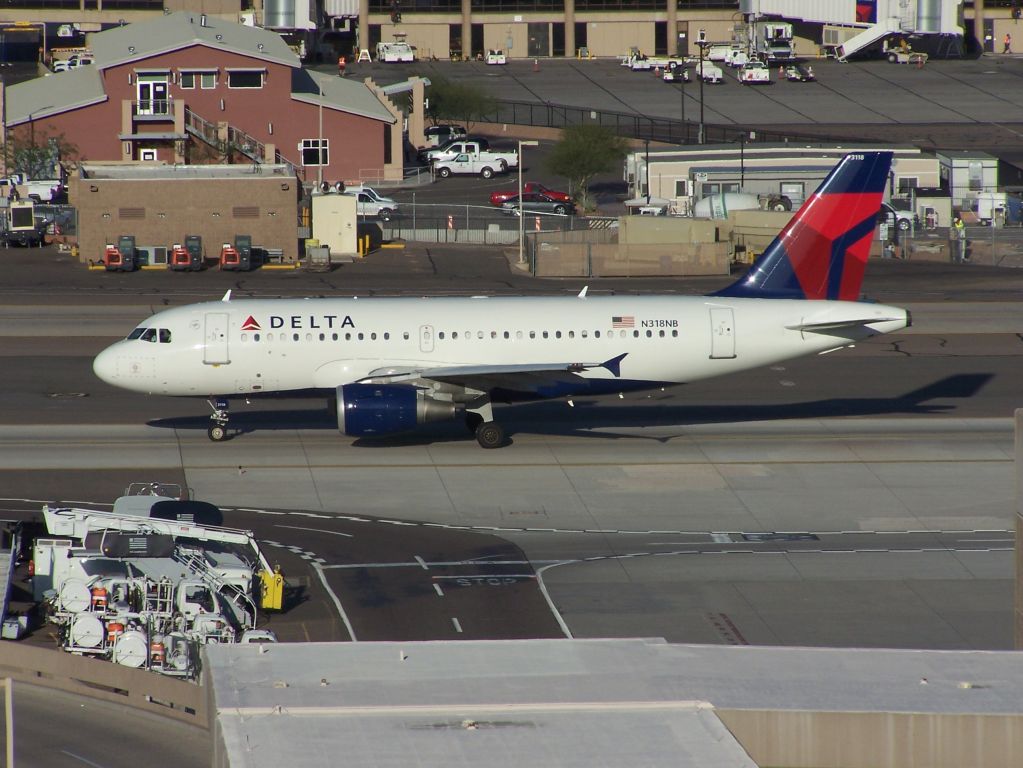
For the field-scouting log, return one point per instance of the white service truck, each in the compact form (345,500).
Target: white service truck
(501,161)
(466,164)
(395,52)
(773,40)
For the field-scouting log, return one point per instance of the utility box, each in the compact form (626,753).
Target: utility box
(335,223)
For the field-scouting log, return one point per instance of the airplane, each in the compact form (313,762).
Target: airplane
(392,364)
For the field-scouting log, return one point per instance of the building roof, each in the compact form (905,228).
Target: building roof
(563,702)
(174,31)
(60,92)
(147,171)
(338,93)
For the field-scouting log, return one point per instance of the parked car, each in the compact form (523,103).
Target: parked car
(496,57)
(799,73)
(537,202)
(466,164)
(438,135)
(529,187)
(902,219)
(372,203)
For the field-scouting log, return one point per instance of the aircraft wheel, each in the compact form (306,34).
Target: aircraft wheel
(473,421)
(490,434)
(217,432)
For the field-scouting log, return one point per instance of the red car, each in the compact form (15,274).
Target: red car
(496,198)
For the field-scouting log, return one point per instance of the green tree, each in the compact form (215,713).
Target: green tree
(584,152)
(36,152)
(464,102)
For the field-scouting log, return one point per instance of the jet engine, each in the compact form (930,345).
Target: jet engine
(382,409)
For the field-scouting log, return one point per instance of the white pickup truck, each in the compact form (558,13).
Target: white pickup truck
(42,190)
(395,52)
(466,164)
(754,72)
(709,72)
(501,161)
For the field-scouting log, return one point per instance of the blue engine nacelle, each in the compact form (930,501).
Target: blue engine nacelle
(383,409)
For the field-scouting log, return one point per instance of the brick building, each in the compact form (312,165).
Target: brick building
(187,88)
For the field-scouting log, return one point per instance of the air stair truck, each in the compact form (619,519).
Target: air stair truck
(144,586)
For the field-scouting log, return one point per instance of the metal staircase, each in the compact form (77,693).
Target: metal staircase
(237,141)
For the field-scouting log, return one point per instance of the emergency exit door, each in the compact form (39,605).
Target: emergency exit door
(215,350)
(722,333)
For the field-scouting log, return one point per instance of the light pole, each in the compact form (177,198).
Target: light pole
(646,168)
(701,40)
(319,138)
(522,221)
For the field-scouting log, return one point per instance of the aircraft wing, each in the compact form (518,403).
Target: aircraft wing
(528,377)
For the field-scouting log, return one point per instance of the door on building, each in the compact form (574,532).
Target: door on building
(989,35)
(682,35)
(539,38)
(722,333)
(215,352)
(152,95)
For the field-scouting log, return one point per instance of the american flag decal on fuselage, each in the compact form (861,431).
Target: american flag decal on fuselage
(623,321)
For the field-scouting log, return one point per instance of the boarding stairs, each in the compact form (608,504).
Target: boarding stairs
(869,36)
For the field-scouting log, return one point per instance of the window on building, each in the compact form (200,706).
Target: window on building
(245,78)
(315,152)
(187,80)
(906,183)
(208,80)
(681,187)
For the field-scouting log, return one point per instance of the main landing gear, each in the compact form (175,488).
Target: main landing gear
(218,428)
(480,421)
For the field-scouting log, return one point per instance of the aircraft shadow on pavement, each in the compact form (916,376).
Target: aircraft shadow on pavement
(555,418)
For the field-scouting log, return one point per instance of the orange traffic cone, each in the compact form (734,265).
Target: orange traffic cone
(536,65)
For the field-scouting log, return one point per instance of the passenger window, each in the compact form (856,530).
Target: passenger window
(323,337)
(294,337)
(255,337)
(649,334)
(635,334)
(308,337)
(532,334)
(545,334)
(387,336)
(135,334)
(373,336)
(405,335)
(674,334)
(149,335)
(571,334)
(165,336)
(493,334)
(440,335)
(661,334)
(507,335)
(361,336)
(596,334)
(479,334)
(348,337)
(454,334)
(557,334)
(584,334)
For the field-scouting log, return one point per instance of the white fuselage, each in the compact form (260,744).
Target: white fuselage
(251,346)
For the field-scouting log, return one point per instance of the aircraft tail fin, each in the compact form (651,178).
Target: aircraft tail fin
(822,252)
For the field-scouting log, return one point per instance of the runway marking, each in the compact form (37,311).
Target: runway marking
(458,626)
(422,562)
(81,759)
(479,576)
(547,596)
(317,530)
(438,590)
(337,602)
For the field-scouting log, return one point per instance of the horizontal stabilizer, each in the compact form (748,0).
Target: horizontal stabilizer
(833,325)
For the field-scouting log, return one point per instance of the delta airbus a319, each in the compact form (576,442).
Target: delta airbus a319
(392,364)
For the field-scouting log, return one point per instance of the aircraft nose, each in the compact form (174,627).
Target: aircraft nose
(105,365)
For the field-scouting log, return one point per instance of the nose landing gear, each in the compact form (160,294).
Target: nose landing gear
(218,428)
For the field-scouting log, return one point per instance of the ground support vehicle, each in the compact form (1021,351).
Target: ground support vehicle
(20,225)
(895,56)
(709,72)
(144,586)
(755,73)
(41,190)
(466,164)
(395,52)
(496,57)
(675,72)
(736,57)
(799,73)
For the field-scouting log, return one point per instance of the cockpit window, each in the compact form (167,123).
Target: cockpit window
(165,336)
(136,333)
(149,335)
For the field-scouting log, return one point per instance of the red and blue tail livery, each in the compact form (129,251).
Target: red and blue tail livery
(822,252)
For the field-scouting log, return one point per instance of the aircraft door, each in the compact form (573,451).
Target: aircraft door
(426,338)
(722,333)
(215,348)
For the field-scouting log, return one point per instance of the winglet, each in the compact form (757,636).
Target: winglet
(582,293)
(615,365)
(227,296)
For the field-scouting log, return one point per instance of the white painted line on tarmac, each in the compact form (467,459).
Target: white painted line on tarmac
(479,576)
(546,596)
(317,530)
(438,590)
(422,563)
(81,759)
(337,603)
(458,626)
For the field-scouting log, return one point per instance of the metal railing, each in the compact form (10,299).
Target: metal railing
(153,108)
(636,126)
(237,140)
